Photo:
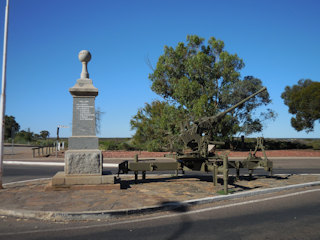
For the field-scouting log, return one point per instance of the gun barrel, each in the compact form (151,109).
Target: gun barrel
(238,104)
(244,100)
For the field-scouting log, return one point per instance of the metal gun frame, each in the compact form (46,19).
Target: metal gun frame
(216,165)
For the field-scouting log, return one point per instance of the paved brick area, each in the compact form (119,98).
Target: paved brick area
(153,191)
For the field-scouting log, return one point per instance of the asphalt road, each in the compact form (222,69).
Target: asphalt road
(292,215)
(13,173)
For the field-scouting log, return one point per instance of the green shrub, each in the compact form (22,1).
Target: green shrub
(21,140)
(126,146)
(116,144)
(154,146)
(316,145)
(109,145)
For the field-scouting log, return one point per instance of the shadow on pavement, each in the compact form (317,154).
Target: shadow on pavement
(185,222)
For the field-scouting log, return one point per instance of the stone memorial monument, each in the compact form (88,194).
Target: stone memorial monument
(83,160)
(83,156)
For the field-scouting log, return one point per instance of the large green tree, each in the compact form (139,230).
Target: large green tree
(198,79)
(303,101)
(11,126)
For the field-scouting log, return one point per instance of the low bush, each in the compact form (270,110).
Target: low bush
(275,144)
(316,145)
(117,144)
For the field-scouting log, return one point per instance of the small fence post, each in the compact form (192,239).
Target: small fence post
(136,172)
(225,174)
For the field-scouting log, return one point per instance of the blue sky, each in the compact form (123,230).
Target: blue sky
(278,41)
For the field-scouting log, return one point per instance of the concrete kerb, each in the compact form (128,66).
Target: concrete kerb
(114,162)
(94,215)
(56,164)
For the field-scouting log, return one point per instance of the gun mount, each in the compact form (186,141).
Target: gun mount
(196,137)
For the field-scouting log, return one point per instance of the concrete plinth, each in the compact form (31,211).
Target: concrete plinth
(64,180)
(83,162)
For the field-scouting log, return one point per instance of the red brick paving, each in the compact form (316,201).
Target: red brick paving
(131,154)
(270,153)
(26,153)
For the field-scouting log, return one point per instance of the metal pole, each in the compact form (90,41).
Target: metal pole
(3,91)
(57,142)
(225,174)
(12,139)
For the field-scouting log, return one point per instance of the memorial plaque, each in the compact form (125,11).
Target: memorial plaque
(83,116)
(84,110)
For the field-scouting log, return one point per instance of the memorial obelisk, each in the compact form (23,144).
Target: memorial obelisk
(83,156)
(83,160)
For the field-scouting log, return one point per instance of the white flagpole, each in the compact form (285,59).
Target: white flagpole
(3,90)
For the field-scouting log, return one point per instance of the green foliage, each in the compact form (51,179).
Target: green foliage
(44,134)
(313,143)
(109,145)
(221,192)
(198,80)
(47,142)
(196,76)
(116,144)
(303,101)
(157,126)
(24,136)
(316,145)
(284,145)
(277,144)
(20,140)
(126,146)
(10,125)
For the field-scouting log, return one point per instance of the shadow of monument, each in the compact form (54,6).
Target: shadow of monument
(185,222)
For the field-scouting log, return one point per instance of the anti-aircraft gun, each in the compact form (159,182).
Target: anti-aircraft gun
(196,137)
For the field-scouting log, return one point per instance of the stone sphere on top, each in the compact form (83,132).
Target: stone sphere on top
(84,56)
